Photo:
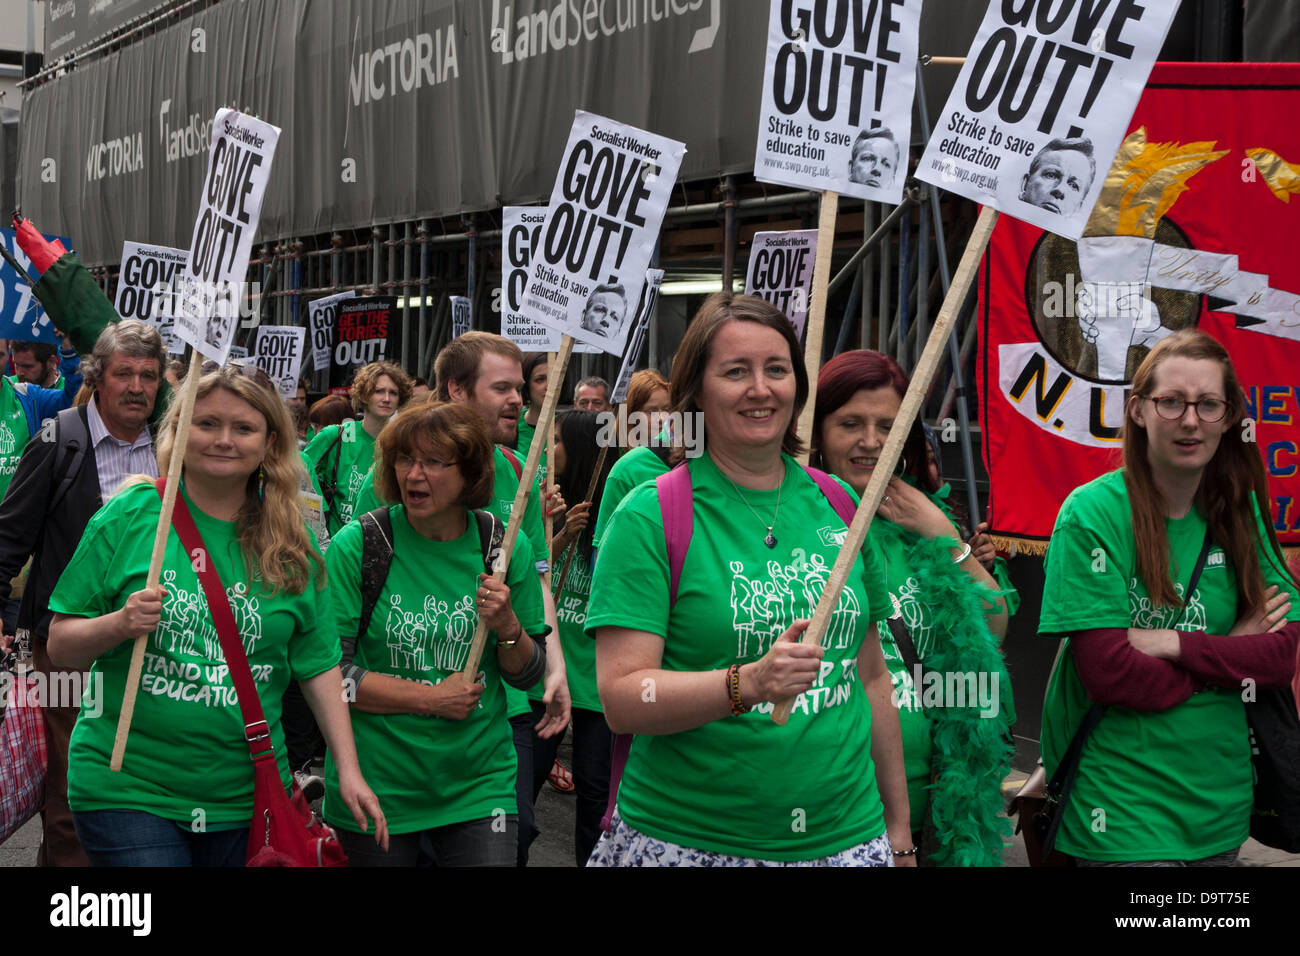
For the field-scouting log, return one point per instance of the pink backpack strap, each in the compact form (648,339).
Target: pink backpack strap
(622,745)
(835,494)
(677,508)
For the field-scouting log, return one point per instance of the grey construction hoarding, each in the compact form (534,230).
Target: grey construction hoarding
(390,109)
(73,24)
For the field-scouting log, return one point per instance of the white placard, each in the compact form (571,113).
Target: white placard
(323,318)
(520,228)
(212,282)
(462,318)
(146,288)
(837,96)
(636,341)
(601,227)
(1042,104)
(278,352)
(781,271)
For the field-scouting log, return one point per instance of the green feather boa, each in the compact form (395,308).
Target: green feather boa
(971,754)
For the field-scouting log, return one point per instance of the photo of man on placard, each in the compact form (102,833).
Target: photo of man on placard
(605,310)
(1060,176)
(875,157)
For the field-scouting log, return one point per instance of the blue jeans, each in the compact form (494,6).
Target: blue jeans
(488,842)
(137,838)
(593,746)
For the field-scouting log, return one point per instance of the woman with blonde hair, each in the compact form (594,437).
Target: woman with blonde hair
(184,795)
(1167,579)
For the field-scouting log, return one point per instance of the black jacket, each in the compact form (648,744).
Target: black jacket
(27,526)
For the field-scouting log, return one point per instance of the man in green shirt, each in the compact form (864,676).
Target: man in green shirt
(485,372)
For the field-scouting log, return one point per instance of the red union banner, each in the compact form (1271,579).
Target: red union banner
(1191,230)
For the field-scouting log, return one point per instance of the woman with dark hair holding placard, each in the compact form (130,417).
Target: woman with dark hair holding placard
(692,657)
(948,613)
(1168,581)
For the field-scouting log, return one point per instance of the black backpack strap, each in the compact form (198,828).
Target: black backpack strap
(1195,579)
(906,647)
(329,486)
(492,536)
(1062,782)
(73,438)
(663,452)
(376,560)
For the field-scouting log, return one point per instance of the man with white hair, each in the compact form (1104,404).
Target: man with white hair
(60,482)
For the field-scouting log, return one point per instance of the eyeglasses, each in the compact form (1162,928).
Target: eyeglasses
(247,371)
(427,465)
(1172,408)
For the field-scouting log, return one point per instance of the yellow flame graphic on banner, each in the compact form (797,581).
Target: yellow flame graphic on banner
(1283,178)
(1144,182)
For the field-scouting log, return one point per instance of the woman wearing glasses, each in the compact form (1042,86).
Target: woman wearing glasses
(1165,775)
(184,796)
(437,747)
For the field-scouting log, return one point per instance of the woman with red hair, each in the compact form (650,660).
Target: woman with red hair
(947,612)
(1171,588)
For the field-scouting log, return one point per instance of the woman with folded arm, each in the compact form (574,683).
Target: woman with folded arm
(1168,767)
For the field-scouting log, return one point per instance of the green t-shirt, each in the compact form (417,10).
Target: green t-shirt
(355,453)
(579,650)
(14,435)
(1172,785)
(525,443)
(186,752)
(503,502)
(427,771)
(525,439)
(907,595)
(506,483)
(744,785)
(635,467)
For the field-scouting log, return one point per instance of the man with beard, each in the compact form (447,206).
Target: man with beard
(63,478)
(36,363)
(485,372)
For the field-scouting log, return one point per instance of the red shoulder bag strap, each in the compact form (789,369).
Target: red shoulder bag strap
(514,462)
(256,730)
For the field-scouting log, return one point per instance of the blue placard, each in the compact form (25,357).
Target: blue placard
(21,316)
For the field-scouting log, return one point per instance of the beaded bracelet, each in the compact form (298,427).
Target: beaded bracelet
(733,691)
(911,852)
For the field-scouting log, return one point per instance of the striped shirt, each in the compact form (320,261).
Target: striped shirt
(116,458)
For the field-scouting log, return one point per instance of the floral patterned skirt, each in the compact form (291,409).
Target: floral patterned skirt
(624,846)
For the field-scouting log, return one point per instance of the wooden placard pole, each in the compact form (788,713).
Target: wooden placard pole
(548,523)
(545,420)
(591,493)
(187,397)
(812,349)
(893,450)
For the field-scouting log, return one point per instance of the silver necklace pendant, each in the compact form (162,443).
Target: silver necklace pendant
(770,540)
